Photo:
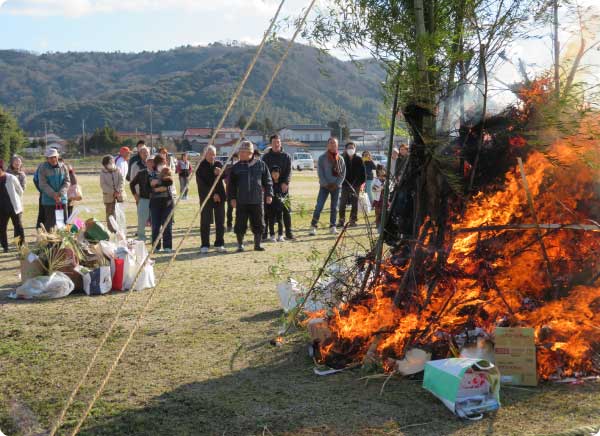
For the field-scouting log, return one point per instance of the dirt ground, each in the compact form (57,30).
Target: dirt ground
(201,363)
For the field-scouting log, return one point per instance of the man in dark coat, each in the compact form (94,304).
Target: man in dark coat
(355,177)
(249,185)
(206,174)
(276,157)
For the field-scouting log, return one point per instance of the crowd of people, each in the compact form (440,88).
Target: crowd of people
(255,186)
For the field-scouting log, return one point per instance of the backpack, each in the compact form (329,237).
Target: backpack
(135,159)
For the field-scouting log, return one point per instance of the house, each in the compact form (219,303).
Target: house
(308,133)
(171,134)
(255,136)
(197,134)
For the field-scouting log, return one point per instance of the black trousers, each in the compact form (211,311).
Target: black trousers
(274,215)
(287,221)
(50,217)
(349,196)
(229,214)
(16,220)
(252,212)
(212,211)
(40,217)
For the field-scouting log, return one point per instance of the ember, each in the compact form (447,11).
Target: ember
(497,277)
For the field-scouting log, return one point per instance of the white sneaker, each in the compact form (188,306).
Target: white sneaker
(333,230)
(280,238)
(221,249)
(272,239)
(313,231)
(204,250)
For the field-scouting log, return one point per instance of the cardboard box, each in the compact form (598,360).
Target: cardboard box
(514,352)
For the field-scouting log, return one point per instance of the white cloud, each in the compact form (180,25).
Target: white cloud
(77,8)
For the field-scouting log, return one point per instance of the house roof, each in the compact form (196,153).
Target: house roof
(193,131)
(295,144)
(306,127)
(230,130)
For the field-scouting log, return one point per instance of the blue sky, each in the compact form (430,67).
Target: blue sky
(133,25)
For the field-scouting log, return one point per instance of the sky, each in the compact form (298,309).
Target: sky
(134,25)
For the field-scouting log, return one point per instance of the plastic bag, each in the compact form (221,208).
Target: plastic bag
(59,215)
(74,193)
(146,278)
(364,203)
(120,218)
(56,285)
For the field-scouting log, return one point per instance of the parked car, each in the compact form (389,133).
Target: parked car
(303,161)
(192,153)
(379,159)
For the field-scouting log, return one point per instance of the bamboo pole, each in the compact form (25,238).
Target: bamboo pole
(527,227)
(537,227)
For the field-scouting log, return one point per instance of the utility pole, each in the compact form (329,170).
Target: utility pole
(151,136)
(556,44)
(83,135)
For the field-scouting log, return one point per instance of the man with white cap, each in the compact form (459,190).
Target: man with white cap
(249,185)
(53,181)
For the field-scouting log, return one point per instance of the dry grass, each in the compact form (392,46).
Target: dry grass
(201,363)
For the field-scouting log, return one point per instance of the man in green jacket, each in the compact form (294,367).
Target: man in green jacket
(53,179)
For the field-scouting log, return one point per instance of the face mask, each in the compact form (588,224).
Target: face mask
(350,152)
(160,168)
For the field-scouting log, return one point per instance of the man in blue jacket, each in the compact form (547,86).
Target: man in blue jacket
(249,185)
(332,172)
(53,182)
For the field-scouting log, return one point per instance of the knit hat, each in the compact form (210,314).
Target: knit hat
(275,168)
(246,146)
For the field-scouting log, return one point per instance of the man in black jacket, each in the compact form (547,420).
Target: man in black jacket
(355,177)
(249,185)
(140,188)
(276,157)
(208,170)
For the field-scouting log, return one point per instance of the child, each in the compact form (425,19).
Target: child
(111,182)
(378,185)
(274,211)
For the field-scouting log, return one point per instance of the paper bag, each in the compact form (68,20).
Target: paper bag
(514,351)
(97,281)
(468,387)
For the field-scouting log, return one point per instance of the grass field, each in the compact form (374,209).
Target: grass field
(201,364)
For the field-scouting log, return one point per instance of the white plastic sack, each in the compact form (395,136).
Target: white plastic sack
(290,294)
(120,220)
(57,285)
(130,267)
(364,203)
(146,279)
(108,248)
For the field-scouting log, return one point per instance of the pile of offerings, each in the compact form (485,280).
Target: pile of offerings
(82,256)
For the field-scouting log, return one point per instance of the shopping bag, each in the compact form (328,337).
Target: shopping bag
(97,281)
(59,214)
(117,274)
(468,387)
(31,266)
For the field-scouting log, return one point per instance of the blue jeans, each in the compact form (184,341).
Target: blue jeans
(321,198)
(369,190)
(143,211)
(159,216)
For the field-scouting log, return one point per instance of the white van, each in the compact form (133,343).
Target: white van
(303,161)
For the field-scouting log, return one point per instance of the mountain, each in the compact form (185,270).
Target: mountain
(186,86)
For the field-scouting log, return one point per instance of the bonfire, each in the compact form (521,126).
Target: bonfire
(522,252)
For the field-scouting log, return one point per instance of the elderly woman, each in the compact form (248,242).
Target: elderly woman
(184,170)
(16,169)
(111,183)
(12,208)
(161,203)
(206,174)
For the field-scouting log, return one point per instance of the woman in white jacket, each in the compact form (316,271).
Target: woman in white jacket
(12,207)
